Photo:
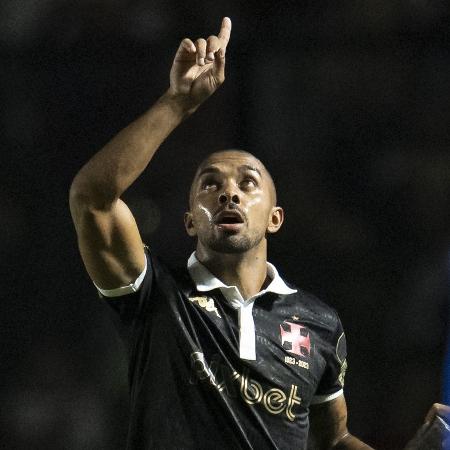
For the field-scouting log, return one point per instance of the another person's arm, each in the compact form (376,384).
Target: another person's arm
(108,237)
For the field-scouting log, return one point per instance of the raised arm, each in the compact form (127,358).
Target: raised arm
(108,237)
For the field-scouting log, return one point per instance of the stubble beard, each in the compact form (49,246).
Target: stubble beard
(231,243)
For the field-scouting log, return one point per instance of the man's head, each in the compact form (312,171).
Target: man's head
(232,203)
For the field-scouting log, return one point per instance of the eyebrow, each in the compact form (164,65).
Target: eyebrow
(212,169)
(249,167)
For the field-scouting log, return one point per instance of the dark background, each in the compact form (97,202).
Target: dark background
(346,102)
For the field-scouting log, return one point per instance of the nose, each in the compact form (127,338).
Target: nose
(227,197)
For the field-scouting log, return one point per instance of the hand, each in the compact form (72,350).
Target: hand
(198,68)
(434,432)
(438,409)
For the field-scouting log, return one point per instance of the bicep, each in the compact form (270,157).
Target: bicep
(328,423)
(110,244)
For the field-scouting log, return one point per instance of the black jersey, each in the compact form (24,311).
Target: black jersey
(189,387)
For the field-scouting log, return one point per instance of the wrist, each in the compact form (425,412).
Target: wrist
(179,103)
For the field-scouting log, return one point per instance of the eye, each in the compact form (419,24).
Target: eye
(210,184)
(248,183)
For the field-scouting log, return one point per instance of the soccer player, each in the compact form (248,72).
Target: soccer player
(223,353)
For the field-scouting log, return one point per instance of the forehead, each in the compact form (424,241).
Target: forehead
(232,160)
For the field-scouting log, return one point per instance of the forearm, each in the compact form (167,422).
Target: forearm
(350,442)
(104,178)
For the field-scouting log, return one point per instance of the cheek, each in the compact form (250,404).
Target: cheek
(253,203)
(202,214)
(257,209)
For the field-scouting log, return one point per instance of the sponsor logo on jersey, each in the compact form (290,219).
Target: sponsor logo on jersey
(206,303)
(230,382)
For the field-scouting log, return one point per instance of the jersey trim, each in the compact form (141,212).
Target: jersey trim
(124,290)
(205,281)
(317,399)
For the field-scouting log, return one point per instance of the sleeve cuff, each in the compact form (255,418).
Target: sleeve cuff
(124,290)
(326,398)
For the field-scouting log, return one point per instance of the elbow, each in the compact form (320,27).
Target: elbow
(347,441)
(79,199)
(79,193)
(83,196)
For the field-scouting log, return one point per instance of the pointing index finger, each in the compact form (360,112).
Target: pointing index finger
(225,30)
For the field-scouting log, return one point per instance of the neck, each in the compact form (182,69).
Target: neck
(247,271)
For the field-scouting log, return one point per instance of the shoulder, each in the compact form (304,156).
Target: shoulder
(314,307)
(176,274)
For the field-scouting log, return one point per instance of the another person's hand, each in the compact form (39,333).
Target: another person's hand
(199,67)
(438,410)
(434,433)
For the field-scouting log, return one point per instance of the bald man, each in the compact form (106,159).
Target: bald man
(223,353)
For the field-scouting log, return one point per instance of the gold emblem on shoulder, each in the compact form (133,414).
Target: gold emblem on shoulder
(342,374)
(206,303)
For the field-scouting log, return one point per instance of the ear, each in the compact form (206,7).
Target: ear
(275,220)
(189,224)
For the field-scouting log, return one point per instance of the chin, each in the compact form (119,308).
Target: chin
(232,244)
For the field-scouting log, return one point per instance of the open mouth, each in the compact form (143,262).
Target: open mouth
(230,220)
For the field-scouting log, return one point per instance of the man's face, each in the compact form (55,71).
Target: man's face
(232,203)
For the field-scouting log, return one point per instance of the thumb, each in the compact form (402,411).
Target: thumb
(219,64)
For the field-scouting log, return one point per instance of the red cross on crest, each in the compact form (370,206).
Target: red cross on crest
(298,337)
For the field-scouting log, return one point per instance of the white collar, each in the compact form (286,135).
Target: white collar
(205,281)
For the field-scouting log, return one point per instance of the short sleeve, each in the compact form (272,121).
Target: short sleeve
(332,382)
(124,290)
(128,304)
